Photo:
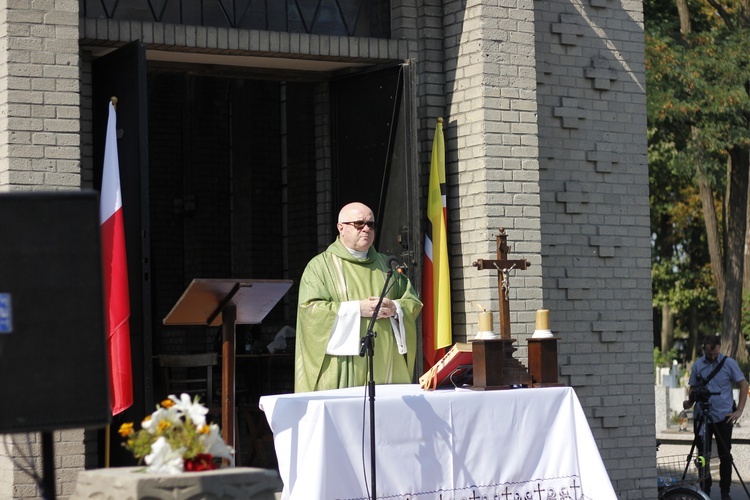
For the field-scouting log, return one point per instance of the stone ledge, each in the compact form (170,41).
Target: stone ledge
(132,483)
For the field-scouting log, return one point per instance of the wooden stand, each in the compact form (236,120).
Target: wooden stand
(543,361)
(213,302)
(495,367)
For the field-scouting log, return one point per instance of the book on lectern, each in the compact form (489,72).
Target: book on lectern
(452,370)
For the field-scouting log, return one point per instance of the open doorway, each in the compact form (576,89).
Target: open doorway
(236,173)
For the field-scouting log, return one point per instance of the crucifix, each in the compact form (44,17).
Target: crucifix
(503,267)
(494,365)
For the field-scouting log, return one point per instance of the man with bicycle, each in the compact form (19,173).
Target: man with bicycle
(711,382)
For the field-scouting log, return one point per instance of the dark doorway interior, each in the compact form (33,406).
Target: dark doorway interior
(218,185)
(227,155)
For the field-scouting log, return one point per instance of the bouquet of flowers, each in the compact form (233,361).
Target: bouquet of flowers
(176,438)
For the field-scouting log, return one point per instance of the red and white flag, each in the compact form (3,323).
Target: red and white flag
(116,294)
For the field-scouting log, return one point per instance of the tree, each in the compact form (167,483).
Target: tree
(682,284)
(698,80)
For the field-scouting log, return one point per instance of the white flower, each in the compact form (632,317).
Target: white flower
(161,414)
(214,445)
(163,459)
(190,409)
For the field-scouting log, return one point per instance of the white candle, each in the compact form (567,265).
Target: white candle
(485,321)
(542,319)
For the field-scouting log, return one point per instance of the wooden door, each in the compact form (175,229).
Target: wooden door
(122,74)
(374,156)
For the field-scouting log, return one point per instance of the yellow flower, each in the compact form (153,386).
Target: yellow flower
(126,429)
(204,429)
(167,403)
(163,425)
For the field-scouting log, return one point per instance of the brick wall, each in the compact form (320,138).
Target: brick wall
(25,449)
(39,97)
(595,223)
(491,149)
(40,150)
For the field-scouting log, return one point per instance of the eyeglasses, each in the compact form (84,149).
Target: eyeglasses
(359,225)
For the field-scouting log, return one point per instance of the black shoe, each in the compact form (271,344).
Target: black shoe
(725,496)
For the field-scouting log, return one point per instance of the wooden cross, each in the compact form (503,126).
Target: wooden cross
(503,266)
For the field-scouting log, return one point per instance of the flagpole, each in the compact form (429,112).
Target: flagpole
(107,439)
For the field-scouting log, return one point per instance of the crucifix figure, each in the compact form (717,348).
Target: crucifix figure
(503,267)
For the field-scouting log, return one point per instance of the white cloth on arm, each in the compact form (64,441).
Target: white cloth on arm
(345,340)
(399,330)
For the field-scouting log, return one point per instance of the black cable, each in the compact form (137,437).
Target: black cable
(362,447)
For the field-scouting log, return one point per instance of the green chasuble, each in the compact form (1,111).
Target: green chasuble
(336,276)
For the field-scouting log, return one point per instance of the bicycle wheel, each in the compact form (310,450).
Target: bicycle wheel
(683,493)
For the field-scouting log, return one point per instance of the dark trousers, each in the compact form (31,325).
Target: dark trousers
(722,433)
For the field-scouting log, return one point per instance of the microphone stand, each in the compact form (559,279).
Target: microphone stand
(368,347)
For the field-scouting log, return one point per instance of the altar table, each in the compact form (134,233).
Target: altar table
(441,445)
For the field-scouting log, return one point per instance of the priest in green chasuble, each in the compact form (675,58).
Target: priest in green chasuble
(338,293)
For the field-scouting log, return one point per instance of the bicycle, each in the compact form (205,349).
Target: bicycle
(676,480)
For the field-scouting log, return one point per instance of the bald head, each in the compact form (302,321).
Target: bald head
(355,211)
(356,226)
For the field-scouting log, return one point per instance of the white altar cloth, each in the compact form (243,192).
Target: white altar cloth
(441,445)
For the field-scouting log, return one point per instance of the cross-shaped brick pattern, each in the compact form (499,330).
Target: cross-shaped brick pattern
(601,74)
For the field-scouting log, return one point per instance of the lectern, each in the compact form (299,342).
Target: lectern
(227,302)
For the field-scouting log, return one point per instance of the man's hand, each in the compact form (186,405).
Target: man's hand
(367,307)
(733,417)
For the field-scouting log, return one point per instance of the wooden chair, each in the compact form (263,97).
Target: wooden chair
(191,374)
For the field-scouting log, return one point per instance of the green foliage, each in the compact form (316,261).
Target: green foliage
(682,288)
(664,360)
(697,99)
(698,110)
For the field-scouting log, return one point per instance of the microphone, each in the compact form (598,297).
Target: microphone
(395,266)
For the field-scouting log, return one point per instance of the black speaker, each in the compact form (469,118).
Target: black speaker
(53,360)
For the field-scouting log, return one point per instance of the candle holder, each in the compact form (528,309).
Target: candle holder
(542,353)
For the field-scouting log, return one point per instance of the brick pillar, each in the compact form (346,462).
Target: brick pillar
(39,96)
(39,150)
(492,150)
(595,223)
